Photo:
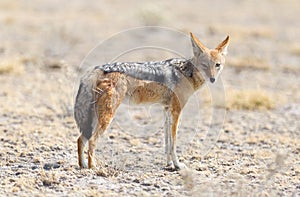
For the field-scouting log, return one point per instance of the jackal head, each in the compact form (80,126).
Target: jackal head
(209,61)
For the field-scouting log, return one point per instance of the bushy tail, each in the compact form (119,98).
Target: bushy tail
(84,109)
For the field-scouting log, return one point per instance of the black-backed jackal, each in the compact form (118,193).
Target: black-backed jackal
(170,83)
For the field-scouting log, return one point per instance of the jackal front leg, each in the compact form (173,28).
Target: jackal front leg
(167,128)
(175,119)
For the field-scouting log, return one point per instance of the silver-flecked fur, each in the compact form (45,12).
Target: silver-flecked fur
(166,72)
(170,83)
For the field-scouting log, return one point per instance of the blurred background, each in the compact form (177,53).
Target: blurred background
(43,43)
(263,54)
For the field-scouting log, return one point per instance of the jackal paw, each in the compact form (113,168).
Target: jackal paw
(180,166)
(91,164)
(169,164)
(83,165)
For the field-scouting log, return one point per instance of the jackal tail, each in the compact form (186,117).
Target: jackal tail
(84,109)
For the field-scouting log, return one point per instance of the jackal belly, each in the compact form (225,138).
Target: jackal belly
(148,92)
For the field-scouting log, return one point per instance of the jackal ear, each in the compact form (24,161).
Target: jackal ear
(222,47)
(198,47)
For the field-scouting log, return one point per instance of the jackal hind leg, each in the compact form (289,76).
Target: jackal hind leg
(167,128)
(104,122)
(92,147)
(106,106)
(81,142)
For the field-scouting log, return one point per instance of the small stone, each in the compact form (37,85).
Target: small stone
(49,166)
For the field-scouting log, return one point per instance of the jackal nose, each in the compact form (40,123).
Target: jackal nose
(212,79)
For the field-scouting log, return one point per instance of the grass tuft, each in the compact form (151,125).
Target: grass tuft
(48,179)
(106,171)
(249,100)
(14,64)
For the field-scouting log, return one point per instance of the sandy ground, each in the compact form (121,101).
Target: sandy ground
(256,153)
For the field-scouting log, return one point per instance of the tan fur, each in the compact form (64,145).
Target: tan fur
(200,45)
(223,44)
(80,151)
(111,89)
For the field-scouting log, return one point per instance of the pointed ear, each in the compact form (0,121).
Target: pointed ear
(222,47)
(198,47)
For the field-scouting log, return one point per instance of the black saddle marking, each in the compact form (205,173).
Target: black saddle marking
(167,72)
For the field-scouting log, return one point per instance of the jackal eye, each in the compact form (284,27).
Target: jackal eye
(218,65)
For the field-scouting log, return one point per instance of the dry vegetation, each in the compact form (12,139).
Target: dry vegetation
(11,65)
(249,100)
(255,153)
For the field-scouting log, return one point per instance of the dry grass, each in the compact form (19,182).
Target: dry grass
(12,65)
(249,63)
(106,171)
(253,99)
(48,178)
(247,99)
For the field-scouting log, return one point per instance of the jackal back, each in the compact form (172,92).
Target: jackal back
(168,72)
